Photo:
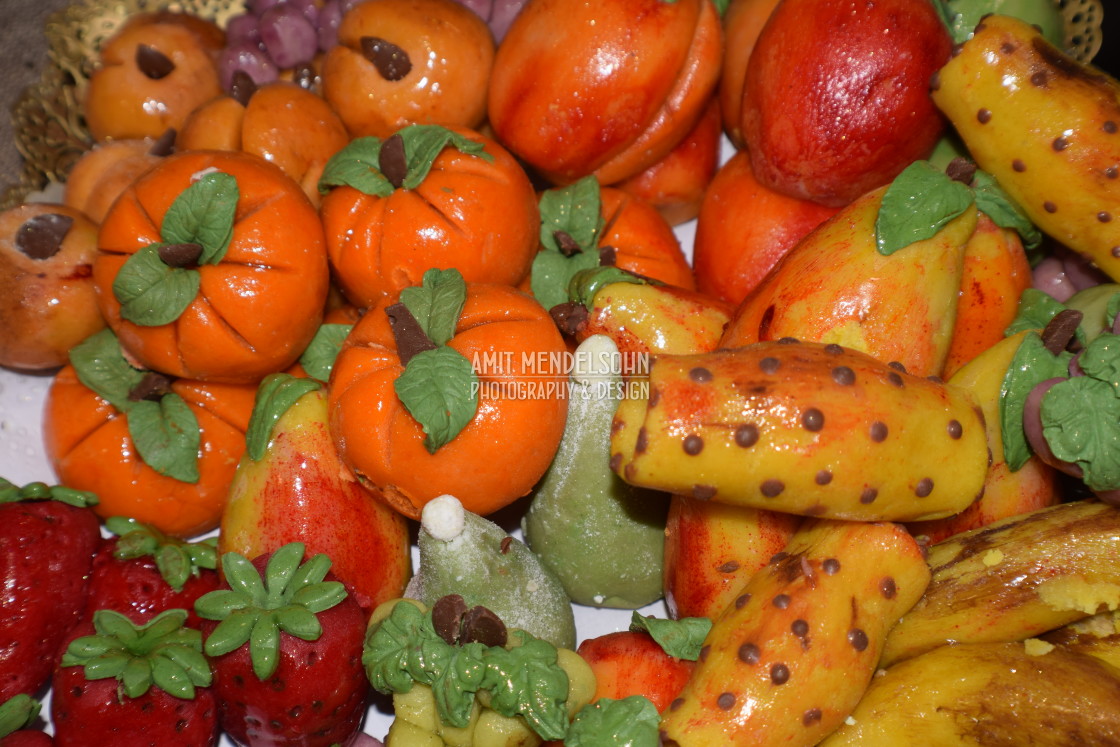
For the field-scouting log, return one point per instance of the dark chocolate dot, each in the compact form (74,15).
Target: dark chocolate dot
(447,617)
(833,349)
(781,601)
(924,487)
(824,477)
(741,600)
(894,378)
(1115,251)
(887,587)
(700,375)
(935,379)
(391,61)
(1109,126)
(831,566)
(812,420)
(179,255)
(844,376)
(1104,216)
(897,366)
(676,704)
(1018,165)
(955,429)
(729,567)
(642,441)
(153,63)
(616,462)
(152,386)
(779,674)
(778,557)
(41,236)
(704,651)
(1039,79)
(1112,172)
(772,488)
(746,435)
(799,628)
(811,716)
(692,444)
(749,653)
(769,365)
(868,495)
(393,161)
(1049,207)
(703,492)
(725,701)
(983,116)
(506,543)
(1007,48)
(878,431)
(858,639)
(788,341)
(1059,144)
(480,625)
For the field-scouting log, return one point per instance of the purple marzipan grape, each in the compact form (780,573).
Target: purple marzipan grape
(248,58)
(330,16)
(243,28)
(1049,276)
(348,5)
(501,16)
(288,36)
(309,8)
(258,7)
(365,740)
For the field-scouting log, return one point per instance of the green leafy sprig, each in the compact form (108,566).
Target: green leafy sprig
(177,561)
(632,721)
(438,386)
(157,283)
(586,284)
(161,652)
(17,712)
(923,199)
(319,356)
(362,164)
(255,609)
(681,639)
(163,428)
(571,221)
(275,396)
(523,679)
(40,491)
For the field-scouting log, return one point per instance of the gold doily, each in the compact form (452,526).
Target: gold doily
(47,121)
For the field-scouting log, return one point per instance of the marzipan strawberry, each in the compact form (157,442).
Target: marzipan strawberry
(285,638)
(47,539)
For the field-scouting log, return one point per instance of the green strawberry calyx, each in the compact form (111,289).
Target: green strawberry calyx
(161,652)
(177,561)
(256,609)
(40,491)
(17,712)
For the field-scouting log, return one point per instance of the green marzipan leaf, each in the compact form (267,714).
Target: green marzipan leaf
(92,646)
(172,678)
(1036,309)
(1031,365)
(233,632)
(17,712)
(586,284)
(632,721)
(175,566)
(107,666)
(39,491)
(313,571)
(390,644)
(275,396)
(115,625)
(1113,308)
(264,646)
(917,204)
(552,275)
(357,165)
(575,209)
(166,436)
(299,622)
(422,143)
(162,627)
(1004,212)
(278,573)
(150,292)
(682,638)
(319,356)
(527,681)
(437,303)
(1101,360)
(455,686)
(438,389)
(136,679)
(1081,424)
(192,661)
(102,368)
(221,603)
(242,576)
(204,213)
(321,596)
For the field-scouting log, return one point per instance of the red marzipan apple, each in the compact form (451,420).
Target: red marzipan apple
(837,95)
(632,663)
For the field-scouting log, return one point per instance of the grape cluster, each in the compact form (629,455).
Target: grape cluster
(275,35)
